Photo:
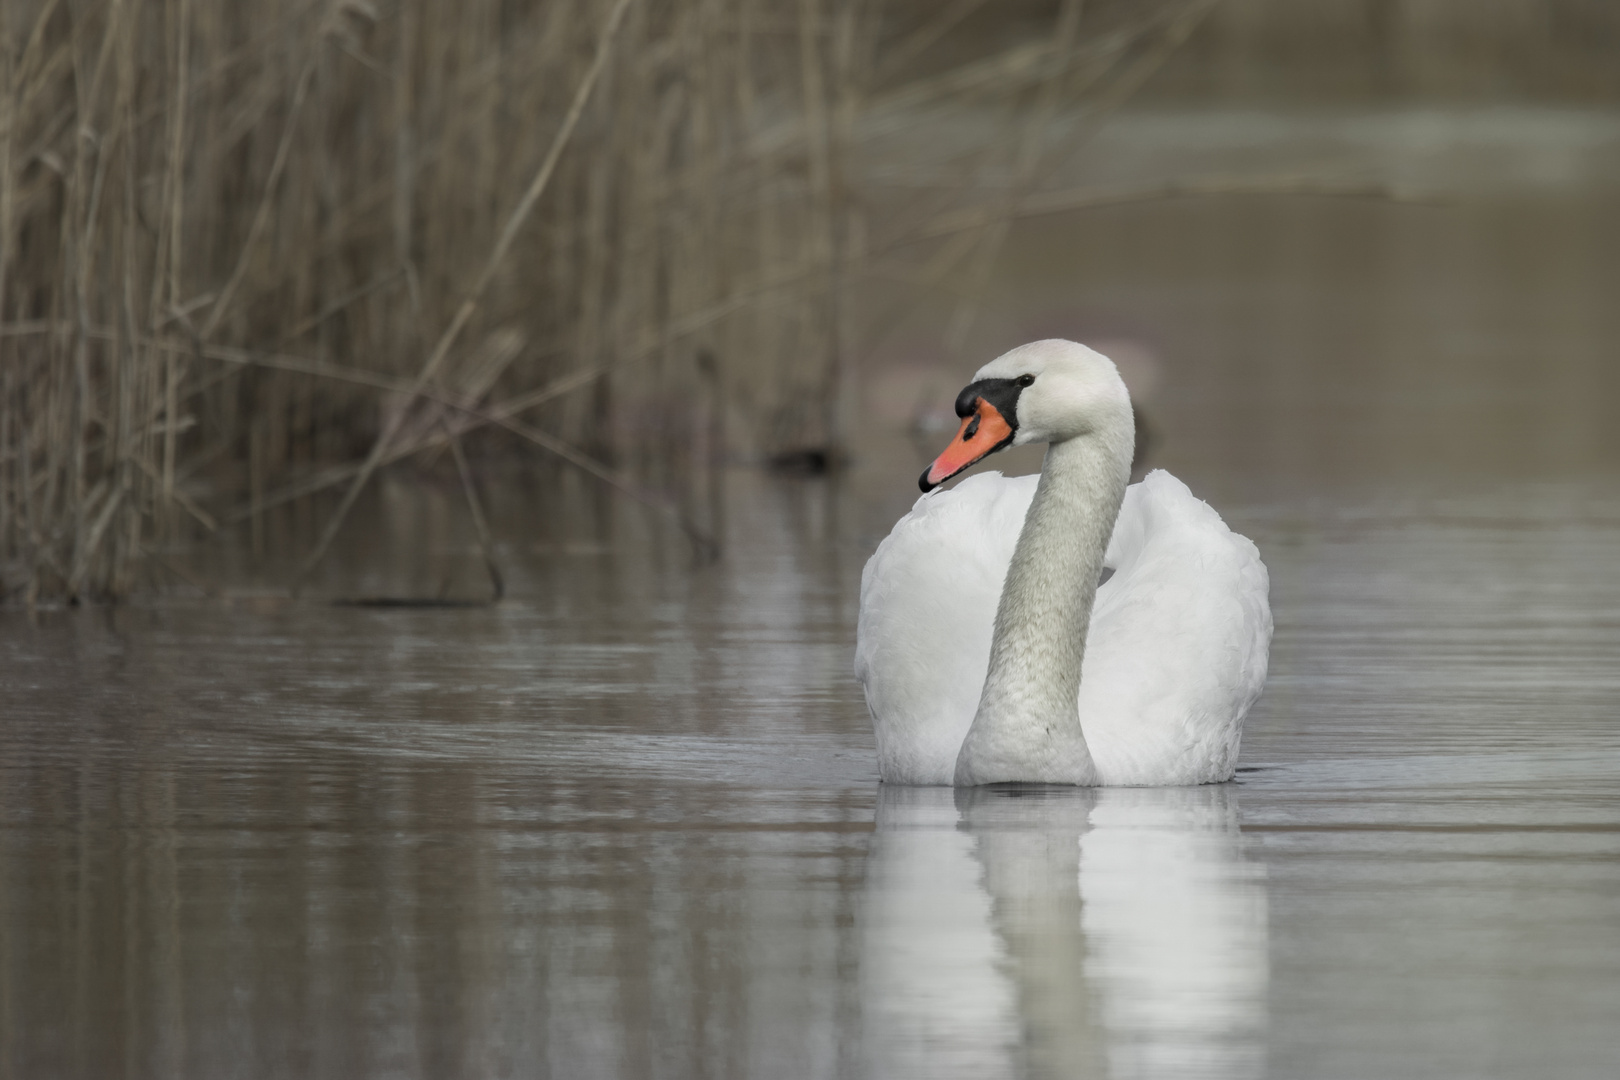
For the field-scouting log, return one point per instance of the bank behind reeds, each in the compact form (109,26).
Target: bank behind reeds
(249,252)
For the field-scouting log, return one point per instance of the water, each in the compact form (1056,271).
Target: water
(626,823)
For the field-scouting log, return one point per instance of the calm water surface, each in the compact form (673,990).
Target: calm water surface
(630,826)
(627,822)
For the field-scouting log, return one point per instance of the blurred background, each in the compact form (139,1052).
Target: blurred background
(641,318)
(256,259)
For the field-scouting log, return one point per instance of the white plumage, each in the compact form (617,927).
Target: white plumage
(1174,655)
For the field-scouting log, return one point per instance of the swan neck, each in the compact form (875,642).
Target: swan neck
(1027,727)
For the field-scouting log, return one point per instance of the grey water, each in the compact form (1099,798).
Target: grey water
(627,823)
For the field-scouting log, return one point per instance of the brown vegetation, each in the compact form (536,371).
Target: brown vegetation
(250,252)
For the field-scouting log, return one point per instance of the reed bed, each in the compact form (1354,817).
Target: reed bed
(253,253)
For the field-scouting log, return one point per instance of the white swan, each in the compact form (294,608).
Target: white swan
(973,643)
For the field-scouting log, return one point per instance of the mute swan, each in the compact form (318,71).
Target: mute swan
(988,651)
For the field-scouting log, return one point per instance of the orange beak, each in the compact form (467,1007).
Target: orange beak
(982,433)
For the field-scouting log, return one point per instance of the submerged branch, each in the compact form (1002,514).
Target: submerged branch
(486,545)
(707,547)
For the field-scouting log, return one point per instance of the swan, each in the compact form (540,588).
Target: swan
(987,650)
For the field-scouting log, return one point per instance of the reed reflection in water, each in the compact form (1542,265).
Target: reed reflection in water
(1057,931)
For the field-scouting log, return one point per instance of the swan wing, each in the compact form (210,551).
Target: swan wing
(1178,645)
(928,607)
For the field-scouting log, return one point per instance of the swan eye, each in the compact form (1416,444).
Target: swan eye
(1026,380)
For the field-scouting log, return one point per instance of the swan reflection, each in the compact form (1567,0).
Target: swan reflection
(1063,931)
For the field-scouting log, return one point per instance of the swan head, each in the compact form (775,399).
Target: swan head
(1047,391)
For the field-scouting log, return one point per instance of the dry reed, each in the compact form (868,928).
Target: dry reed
(250,252)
